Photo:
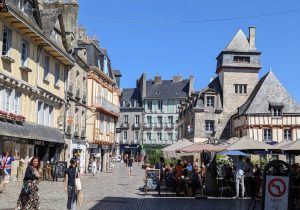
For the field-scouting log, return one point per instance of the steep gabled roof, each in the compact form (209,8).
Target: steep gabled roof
(49,17)
(239,43)
(269,91)
(129,94)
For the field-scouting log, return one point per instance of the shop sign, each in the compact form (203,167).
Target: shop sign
(40,143)
(118,130)
(105,147)
(93,146)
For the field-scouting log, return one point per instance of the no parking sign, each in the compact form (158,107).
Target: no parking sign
(276,193)
(276,186)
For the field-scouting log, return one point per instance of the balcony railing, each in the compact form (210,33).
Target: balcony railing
(77,94)
(158,126)
(169,125)
(147,125)
(125,126)
(136,126)
(69,87)
(107,105)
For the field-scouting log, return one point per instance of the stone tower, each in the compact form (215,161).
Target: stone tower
(237,67)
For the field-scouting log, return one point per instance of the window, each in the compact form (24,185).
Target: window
(287,134)
(125,135)
(240,88)
(267,135)
(160,106)
(277,112)
(137,119)
(136,136)
(209,125)
(210,101)
(17,103)
(149,105)
(46,66)
(170,106)
(125,118)
(159,136)
(24,52)
(105,66)
(170,119)
(6,41)
(57,73)
(170,136)
(45,114)
(148,136)
(159,120)
(101,122)
(149,120)
(8,100)
(241,59)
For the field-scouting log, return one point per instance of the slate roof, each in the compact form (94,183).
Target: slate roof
(167,89)
(239,43)
(215,86)
(269,91)
(130,94)
(29,130)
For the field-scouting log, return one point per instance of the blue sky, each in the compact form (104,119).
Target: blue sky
(154,37)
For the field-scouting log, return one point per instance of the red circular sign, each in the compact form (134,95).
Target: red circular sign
(276,187)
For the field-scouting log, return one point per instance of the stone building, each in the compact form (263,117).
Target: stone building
(161,99)
(236,103)
(103,101)
(130,122)
(76,87)
(33,68)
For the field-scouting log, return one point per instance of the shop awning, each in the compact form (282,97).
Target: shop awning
(170,151)
(27,130)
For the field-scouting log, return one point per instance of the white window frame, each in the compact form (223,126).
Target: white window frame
(57,74)
(125,135)
(210,101)
(47,66)
(136,136)
(277,112)
(160,106)
(137,119)
(209,125)
(148,136)
(126,119)
(159,136)
(149,106)
(8,42)
(170,136)
(267,135)
(17,102)
(287,134)
(149,120)
(160,122)
(25,54)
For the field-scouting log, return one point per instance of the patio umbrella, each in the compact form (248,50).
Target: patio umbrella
(200,147)
(249,144)
(232,153)
(170,151)
(293,148)
(282,146)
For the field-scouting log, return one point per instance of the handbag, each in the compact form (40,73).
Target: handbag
(79,199)
(27,185)
(77,182)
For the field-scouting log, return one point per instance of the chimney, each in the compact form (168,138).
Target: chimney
(191,85)
(177,78)
(252,37)
(157,79)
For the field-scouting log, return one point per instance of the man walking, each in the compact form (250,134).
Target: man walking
(239,177)
(70,176)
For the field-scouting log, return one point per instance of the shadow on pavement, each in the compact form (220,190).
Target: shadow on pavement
(174,203)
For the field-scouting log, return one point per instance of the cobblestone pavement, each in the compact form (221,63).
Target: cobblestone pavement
(114,190)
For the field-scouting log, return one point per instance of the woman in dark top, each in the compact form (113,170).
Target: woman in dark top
(70,175)
(29,196)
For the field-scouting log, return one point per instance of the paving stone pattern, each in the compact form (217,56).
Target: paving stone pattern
(114,190)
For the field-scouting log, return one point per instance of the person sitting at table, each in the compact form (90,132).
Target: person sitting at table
(202,175)
(178,169)
(196,183)
(189,167)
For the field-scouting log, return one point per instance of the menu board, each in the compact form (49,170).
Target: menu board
(152,179)
(60,168)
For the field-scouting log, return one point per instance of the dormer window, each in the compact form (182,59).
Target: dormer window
(210,101)
(277,112)
(241,59)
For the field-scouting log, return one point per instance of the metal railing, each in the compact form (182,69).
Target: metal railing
(69,87)
(107,105)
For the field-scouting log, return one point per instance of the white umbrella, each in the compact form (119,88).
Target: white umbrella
(249,144)
(170,151)
(293,148)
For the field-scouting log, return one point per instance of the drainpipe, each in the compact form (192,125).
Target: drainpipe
(65,108)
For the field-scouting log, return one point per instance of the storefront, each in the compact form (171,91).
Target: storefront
(130,149)
(78,151)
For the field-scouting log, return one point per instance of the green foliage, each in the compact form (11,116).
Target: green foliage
(224,159)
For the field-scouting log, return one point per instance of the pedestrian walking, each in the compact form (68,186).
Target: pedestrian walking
(130,164)
(239,177)
(29,196)
(94,166)
(71,173)
(5,166)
